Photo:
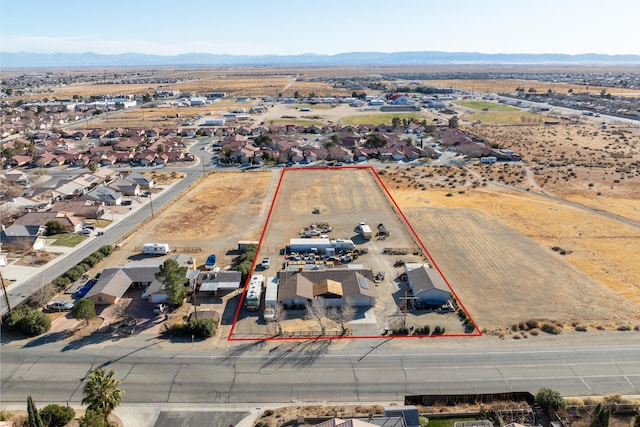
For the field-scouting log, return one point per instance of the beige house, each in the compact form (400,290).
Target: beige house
(336,286)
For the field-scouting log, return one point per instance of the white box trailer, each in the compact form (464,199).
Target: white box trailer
(365,231)
(488,159)
(156,248)
(271,299)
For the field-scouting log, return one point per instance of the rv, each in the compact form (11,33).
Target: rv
(156,248)
(254,292)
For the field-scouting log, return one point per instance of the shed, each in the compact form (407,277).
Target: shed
(221,280)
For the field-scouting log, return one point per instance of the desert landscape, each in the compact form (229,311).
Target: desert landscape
(561,226)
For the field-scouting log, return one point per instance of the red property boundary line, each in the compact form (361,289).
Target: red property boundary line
(321,338)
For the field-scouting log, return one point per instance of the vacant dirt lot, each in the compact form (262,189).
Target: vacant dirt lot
(503,276)
(509,250)
(211,217)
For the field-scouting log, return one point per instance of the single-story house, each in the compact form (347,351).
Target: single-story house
(427,284)
(112,285)
(70,222)
(125,186)
(144,182)
(114,282)
(105,195)
(84,208)
(337,287)
(23,237)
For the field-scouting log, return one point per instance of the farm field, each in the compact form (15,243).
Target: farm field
(594,244)
(485,105)
(510,86)
(504,277)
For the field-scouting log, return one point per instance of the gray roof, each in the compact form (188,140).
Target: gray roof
(113,281)
(308,283)
(140,179)
(104,193)
(423,279)
(221,280)
(18,230)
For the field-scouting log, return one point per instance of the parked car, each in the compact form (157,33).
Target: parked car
(86,231)
(159,309)
(126,203)
(85,289)
(266,263)
(60,305)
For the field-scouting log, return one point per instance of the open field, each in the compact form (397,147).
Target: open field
(576,160)
(485,105)
(212,216)
(510,86)
(597,245)
(504,117)
(367,118)
(504,277)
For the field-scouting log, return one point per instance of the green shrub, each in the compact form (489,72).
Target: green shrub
(201,328)
(28,321)
(93,259)
(57,415)
(106,250)
(61,282)
(92,418)
(400,331)
(74,273)
(424,330)
(548,398)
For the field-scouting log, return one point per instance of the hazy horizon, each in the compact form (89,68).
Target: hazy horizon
(282,27)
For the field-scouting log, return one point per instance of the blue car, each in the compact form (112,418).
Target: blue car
(84,290)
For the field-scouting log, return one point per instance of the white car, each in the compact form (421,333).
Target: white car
(266,263)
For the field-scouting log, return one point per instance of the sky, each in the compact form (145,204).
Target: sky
(279,27)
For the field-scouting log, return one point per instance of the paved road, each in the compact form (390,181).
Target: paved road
(366,370)
(19,292)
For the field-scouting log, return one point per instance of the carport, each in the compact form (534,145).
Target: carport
(211,283)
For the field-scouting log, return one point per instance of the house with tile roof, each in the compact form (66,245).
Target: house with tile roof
(338,287)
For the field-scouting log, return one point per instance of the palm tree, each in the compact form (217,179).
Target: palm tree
(102,392)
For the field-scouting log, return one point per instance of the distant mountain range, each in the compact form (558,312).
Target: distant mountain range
(55,60)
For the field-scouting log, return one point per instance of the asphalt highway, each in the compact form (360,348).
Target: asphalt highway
(312,371)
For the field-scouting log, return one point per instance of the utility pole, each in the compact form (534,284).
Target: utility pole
(151,203)
(404,319)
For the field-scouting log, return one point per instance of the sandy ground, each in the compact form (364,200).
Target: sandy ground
(504,239)
(489,241)
(211,218)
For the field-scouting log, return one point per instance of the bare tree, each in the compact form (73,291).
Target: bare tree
(279,315)
(343,315)
(318,312)
(120,310)
(42,295)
